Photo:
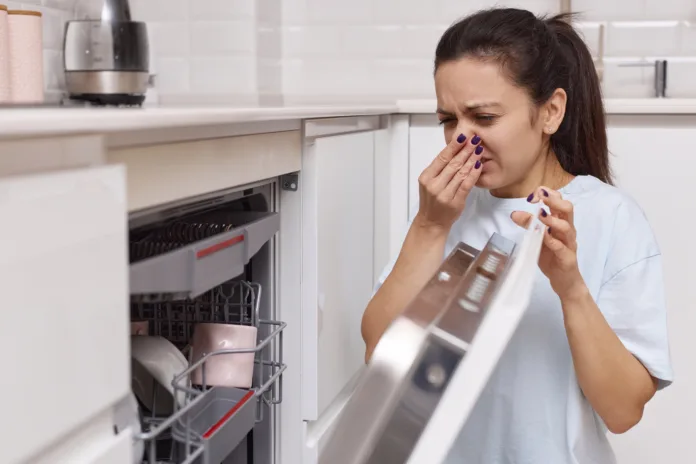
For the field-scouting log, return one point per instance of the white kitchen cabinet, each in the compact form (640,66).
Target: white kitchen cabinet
(426,140)
(654,159)
(338,208)
(64,334)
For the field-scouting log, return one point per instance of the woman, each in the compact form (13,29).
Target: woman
(522,112)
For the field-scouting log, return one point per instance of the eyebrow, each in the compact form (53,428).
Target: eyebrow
(470,107)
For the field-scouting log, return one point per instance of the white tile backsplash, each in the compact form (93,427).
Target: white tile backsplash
(680,78)
(639,38)
(173,75)
(339,48)
(221,75)
(589,31)
(621,81)
(220,10)
(394,41)
(688,38)
(670,9)
(222,38)
(611,10)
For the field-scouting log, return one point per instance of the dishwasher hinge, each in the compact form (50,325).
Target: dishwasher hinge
(289,182)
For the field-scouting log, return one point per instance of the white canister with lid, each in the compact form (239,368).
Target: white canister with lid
(4,57)
(26,56)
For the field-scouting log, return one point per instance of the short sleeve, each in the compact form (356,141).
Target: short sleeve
(632,297)
(392,262)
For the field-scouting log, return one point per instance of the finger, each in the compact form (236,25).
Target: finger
(451,189)
(457,164)
(554,200)
(556,246)
(443,158)
(560,229)
(468,183)
(559,206)
(521,218)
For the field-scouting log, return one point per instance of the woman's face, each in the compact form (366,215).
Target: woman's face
(475,98)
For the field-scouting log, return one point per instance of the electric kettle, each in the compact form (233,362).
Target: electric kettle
(107,57)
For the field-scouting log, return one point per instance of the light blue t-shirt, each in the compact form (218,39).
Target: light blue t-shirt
(532,410)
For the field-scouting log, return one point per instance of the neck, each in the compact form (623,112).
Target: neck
(546,171)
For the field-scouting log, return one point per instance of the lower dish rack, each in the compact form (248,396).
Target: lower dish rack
(211,420)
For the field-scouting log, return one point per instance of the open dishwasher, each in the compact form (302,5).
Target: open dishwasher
(431,364)
(202,278)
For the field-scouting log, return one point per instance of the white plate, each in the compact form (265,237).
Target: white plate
(155,361)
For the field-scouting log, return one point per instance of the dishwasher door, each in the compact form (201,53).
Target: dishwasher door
(430,366)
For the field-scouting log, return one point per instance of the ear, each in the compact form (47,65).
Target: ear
(553,111)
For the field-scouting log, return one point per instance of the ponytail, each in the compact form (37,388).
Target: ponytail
(542,55)
(581,141)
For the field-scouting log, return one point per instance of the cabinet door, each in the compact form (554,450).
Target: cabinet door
(64,334)
(426,140)
(337,181)
(653,160)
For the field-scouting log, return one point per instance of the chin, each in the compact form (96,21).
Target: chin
(488,181)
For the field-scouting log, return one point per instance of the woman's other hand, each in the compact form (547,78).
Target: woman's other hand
(558,259)
(445,184)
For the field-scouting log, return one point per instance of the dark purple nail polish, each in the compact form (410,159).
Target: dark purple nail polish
(476,140)
(477,165)
(530,197)
(461,138)
(479,150)
(544,213)
(546,194)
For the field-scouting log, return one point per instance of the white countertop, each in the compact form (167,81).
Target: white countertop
(28,122)
(612,106)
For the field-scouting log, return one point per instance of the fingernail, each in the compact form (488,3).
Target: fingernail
(461,138)
(479,149)
(529,198)
(476,140)
(546,194)
(477,165)
(544,213)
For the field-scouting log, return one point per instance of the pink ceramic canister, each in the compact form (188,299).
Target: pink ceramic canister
(25,30)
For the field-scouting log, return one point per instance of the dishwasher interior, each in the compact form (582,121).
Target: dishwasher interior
(206,345)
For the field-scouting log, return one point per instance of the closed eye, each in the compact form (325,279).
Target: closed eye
(486,117)
(446,121)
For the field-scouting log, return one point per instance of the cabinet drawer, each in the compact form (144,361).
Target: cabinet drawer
(64,334)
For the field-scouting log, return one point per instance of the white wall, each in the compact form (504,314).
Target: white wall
(220,49)
(384,48)
(255,50)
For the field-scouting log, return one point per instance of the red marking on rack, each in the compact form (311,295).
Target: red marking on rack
(229,414)
(219,246)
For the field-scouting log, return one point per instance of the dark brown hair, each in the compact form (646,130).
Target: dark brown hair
(541,55)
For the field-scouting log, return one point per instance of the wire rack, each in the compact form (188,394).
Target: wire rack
(211,420)
(173,236)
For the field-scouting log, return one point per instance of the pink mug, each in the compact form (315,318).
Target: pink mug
(140,328)
(223,370)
